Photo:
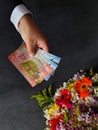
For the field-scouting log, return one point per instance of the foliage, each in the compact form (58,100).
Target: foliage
(44,97)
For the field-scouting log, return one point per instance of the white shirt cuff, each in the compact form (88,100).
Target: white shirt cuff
(17,13)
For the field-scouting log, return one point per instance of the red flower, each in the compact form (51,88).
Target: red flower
(64,99)
(82,87)
(55,122)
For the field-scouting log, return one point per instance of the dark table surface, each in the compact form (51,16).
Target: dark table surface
(72,33)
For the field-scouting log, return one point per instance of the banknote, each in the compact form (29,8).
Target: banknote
(55,60)
(50,56)
(51,63)
(37,68)
(32,68)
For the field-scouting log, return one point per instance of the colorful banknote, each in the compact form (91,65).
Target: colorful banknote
(34,69)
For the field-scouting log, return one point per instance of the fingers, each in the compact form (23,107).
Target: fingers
(43,45)
(31,47)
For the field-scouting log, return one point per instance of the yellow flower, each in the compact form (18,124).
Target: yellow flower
(71,86)
(54,110)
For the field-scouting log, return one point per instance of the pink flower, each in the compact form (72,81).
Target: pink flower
(64,99)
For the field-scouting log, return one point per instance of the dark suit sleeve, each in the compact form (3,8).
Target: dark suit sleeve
(13,3)
(7,7)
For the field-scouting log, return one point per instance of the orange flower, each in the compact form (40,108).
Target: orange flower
(82,87)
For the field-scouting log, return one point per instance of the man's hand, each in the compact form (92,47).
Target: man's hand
(31,35)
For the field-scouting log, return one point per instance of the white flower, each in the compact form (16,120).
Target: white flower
(47,128)
(96,90)
(95,78)
(89,100)
(75,97)
(64,84)
(46,114)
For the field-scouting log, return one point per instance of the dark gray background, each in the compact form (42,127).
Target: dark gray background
(72,32)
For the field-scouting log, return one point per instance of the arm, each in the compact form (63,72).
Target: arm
(22,19)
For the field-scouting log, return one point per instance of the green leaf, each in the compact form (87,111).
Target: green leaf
(91,72)
(66,118)
(50,91)
(77,110)
(44,97)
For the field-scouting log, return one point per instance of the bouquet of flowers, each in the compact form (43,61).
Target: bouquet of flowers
(74,105)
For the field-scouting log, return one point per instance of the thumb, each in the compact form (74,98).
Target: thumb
(31,48)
